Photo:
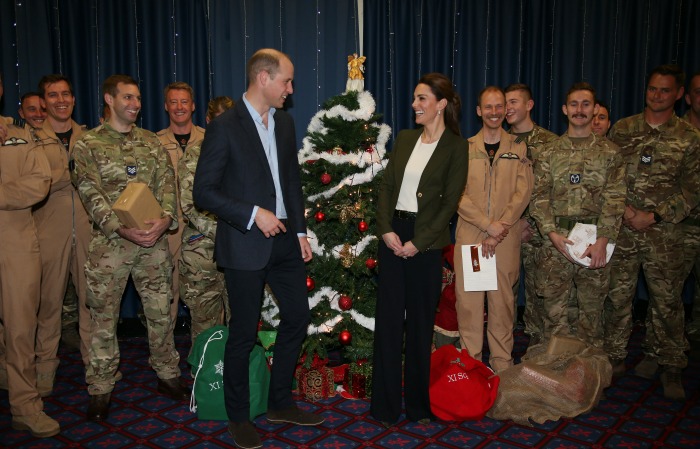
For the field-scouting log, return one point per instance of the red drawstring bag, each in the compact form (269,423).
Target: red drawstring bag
(461,388)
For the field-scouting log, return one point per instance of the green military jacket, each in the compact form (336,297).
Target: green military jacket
(580,180)
(106,160)
(663,165)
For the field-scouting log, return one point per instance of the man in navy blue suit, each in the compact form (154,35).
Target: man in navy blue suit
(248,176)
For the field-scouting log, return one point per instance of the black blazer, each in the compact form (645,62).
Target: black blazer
(440,187)
(233,176)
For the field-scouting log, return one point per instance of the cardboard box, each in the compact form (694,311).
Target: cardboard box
(137,204)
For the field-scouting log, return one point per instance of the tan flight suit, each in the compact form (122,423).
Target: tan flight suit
(167,138)
(25,177)
(64,234)
(498,191)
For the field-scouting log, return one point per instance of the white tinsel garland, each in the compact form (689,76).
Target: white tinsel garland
(270,311)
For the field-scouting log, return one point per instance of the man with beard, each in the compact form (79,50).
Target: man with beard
(498,190)
(107,158)
(662,153)
(579,178)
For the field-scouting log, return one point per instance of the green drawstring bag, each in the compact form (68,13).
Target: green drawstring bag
(207,362)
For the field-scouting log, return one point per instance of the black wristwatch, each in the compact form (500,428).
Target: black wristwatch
(657,218)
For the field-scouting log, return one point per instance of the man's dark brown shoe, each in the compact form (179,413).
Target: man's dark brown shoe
(174,389)
(244,434)
(98,409)
(294,415)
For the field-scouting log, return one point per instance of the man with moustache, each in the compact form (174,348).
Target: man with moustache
(107,158)
(662,153)
(579,178)
(31,110)
(498,190)
(63,229)
(519,105)
(180,135)
(248,176)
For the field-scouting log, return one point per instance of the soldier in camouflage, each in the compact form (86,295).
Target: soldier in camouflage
(202,285)
(106,159)
(519,104)
(579,178)
(691,225)
(662,153)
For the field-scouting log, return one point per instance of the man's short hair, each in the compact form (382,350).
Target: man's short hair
(54,78)
(265,59)
(603,104)
(178,85)
(580,86)
(673,70)
(110,84)
(28,95)
(521,87)
(488,89)
(692,77)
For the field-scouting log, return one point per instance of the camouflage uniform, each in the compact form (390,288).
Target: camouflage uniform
(663,176)
(691,230)
(576,180)
(533,317)
(202,285)
(105,161)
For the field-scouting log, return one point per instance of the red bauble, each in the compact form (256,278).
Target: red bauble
(320,216)
(371,263)
(325,178)
(345,338)
(310,283)
(362,226)
(345,302)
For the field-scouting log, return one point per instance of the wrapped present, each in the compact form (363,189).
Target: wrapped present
(340,372)
(315,383)
(358,382)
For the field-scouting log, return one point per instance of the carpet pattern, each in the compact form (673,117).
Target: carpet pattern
(634,415)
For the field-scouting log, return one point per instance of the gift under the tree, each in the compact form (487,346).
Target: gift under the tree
(358,381)
(316,381)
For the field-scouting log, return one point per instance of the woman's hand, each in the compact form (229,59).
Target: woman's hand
(407,250)
(392,241)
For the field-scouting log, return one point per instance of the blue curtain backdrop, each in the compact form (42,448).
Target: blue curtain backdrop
(548,44)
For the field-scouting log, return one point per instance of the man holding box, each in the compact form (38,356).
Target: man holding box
(106,160)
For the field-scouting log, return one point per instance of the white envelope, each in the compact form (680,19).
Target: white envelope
(584,235)
(478,281)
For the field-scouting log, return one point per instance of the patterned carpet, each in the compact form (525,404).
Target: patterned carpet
(634,415)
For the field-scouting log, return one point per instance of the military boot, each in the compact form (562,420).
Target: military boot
(39,424)
(647,368)
(671,381)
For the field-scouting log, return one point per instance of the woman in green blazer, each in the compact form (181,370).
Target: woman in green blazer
(419,193)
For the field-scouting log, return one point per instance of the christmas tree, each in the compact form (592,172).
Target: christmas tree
(343,153)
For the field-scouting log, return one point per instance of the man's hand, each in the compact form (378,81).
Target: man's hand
(407,250)
(392,241)
(498,230)
(526,231)
(629,213)
(488,247)
(560,242)
(306,253)
(268,223)
(640,221)
(146,237)
(597,253)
